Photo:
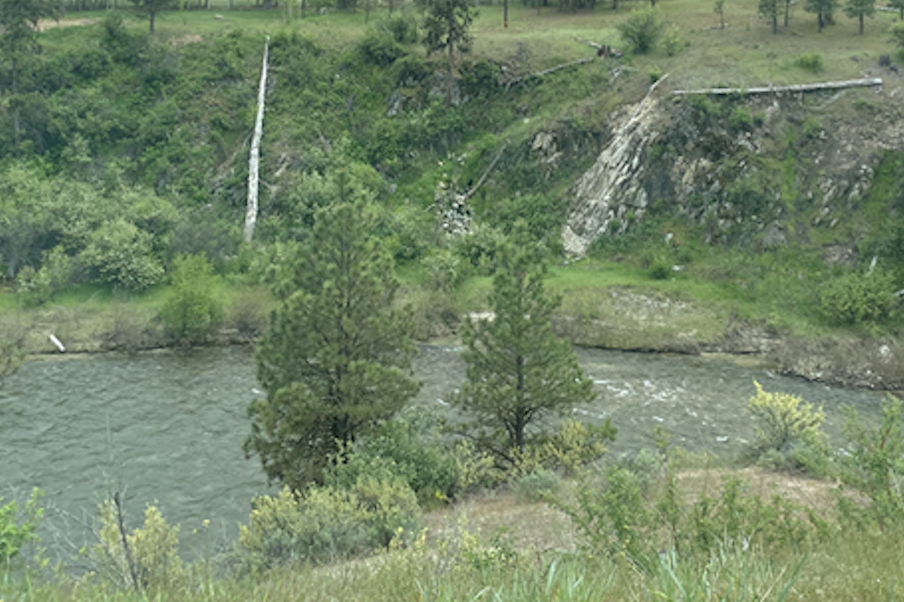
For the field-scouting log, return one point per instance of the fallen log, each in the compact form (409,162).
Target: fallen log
(853,83)
(518,80)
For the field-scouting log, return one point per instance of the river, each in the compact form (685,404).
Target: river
(168,426)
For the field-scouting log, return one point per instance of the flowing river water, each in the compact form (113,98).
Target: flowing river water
(168,426)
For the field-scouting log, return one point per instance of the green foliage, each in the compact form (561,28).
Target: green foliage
(518,372)
(380,48)
(577,444)
(536,486)
(858,9)
(152,551)
(399,450)
(17,527)
(897,35)
(810,61)
(191,313)
(770,10)
(782,421)
(118,253)
(446,25)
(823,10)
(39,286)
(875,463)
(335,358)
(326,524)
(672,42)
(642,29)
(859,298)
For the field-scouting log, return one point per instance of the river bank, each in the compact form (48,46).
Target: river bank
(627,321)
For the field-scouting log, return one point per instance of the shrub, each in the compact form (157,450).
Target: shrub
(152,551)
(810,61)
(897,35)
(576,444)
(875,464)
(399,451)
(859,298)
(536,486)
(191,314)
(379,48)
(642,29)
(325,523)
(782,420)
(741,119)
(403,29)
(672,41)
(18,528)
(120,254)
(39,286)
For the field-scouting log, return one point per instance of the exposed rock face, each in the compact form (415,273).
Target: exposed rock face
(614,185)
(720,162)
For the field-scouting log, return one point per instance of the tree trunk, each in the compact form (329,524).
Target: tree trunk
(254,160)
(16,124)
(821,22)
(787,11)
(861,23)
(451,43)
(505,14)
(774,23)
(152,14)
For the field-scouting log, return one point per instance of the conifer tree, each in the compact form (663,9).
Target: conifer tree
(446,29)
(858,9)
(823,10)
(769,9)
(336,358)
(518,372)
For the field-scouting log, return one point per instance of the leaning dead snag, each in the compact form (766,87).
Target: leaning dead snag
(852,83)
(255,159)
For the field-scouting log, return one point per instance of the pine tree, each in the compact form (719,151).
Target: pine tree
(446,27)
(336,358)
(769,9)
(857,9)
(151,8)
(823,10)
(518,372)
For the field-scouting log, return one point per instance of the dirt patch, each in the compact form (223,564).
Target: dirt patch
(44,25)
(191,38)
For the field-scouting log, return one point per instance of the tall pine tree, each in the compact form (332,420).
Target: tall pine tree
(518,372)
(336,357)
(858,9)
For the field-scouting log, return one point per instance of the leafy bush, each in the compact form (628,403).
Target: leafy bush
(120,254)
(379,48)
(782,421)
(859,298)
(191,314)
(642,29)
(399,451)
(402,28)
(39,286)
(576,444)
(18,528)
(810,61)
(536,486)
(875,464)
(897,35)
(672,41)
(152,551)
(325,523)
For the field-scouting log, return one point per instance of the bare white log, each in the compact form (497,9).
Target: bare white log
(851,83)
(255,158)
(56,341)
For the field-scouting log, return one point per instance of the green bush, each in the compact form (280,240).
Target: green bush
(39,286)
(402,29)
(536,486)
(191,314)
(859,298)
(642,29)
(18,528)
(810,61)
(400,451)
(379,48)
(119,253)
(325,523)
(782,420)
(897,35)
(672,42)
(875,464)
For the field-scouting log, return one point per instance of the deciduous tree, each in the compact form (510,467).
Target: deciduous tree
(336,357)
(518,372)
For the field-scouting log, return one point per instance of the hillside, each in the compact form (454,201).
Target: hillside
(132,150)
